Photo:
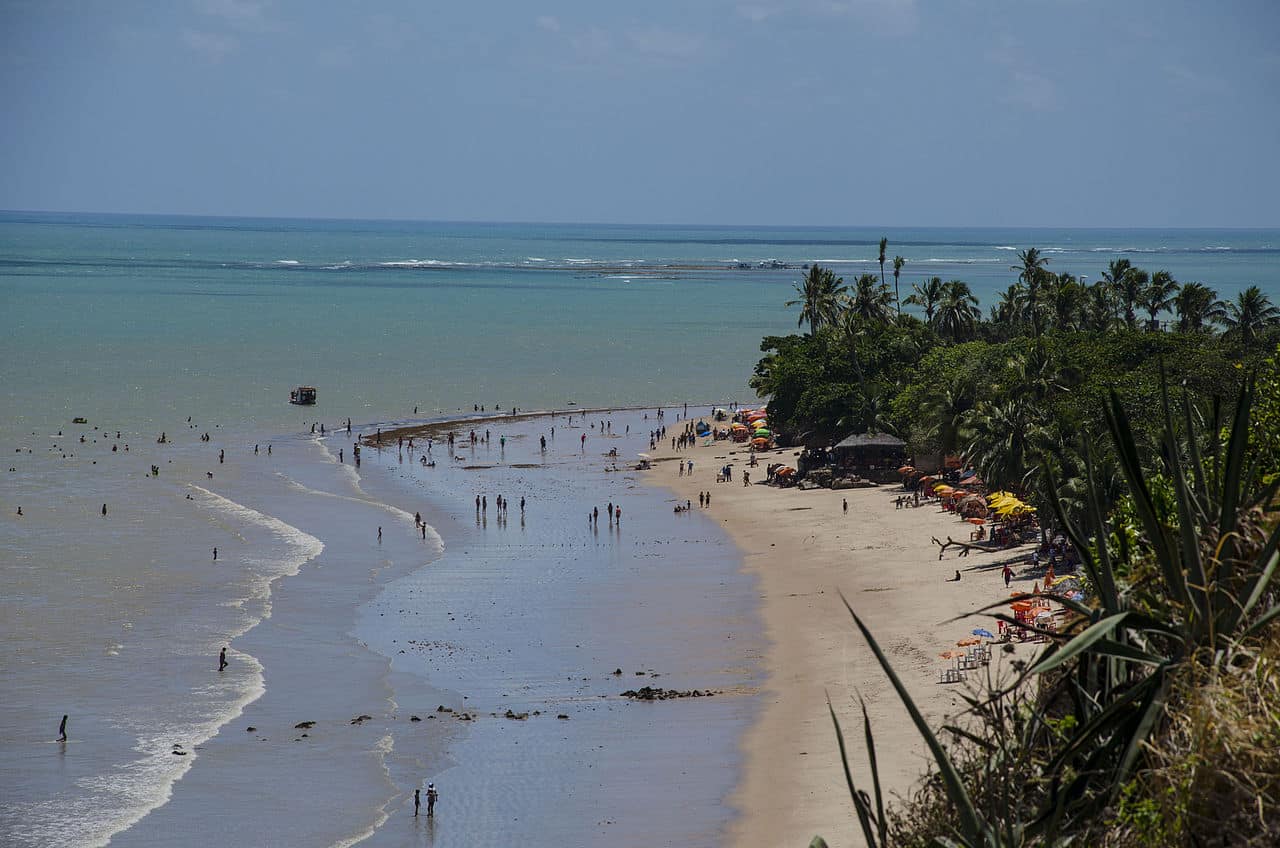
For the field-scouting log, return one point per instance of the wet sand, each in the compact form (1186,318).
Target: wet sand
(805,550)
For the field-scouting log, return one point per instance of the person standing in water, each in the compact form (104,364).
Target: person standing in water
(62,730)
(417,801)
(432,797)
(222,659)
(215,554)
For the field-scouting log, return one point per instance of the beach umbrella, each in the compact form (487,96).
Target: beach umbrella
(981,632)
(906,469)
(644,456)
(978,521)
(763,433)
(964,643)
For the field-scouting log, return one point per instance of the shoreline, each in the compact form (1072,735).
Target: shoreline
(805,551)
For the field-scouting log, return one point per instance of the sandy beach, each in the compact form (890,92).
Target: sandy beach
(805,550)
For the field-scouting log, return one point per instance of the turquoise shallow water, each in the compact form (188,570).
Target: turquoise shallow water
(140,324)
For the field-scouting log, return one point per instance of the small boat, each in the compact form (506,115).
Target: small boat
(303,396)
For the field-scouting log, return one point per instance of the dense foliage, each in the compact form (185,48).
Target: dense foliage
(1012,391)
(1153,716)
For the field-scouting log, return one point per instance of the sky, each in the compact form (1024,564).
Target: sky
(781,112)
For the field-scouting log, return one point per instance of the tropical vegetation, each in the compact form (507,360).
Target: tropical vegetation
(1141,416)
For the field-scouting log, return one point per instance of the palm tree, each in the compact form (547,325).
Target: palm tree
(1127,284)
(870,299)
(884,243)
(1012,306)
(1099,310)
(1031,274)
(1249,314)
(819,298)
(926,295)
(1066,296)
(957,311)
(1158,296)
(1039,377)
(1196,306)
(898,262)
(945,413)
(1001,437)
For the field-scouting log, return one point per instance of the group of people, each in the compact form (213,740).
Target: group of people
(704,501)
(614,512)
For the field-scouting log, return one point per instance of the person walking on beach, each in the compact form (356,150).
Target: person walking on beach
(432,797)
(522,505)
(379,535)
(617,515)
(222,659)
(1008,575)
(62,730)
(417,801)
(104,510)
(846,506)
(215,554)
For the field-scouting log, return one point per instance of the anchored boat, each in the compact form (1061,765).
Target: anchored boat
(303,396)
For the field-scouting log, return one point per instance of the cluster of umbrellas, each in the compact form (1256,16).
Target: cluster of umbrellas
(755,425)
(1005,504)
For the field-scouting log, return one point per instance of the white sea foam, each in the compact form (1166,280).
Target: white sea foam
(384,746)
(145,784)
(420,263)
(287,262)
(139,786)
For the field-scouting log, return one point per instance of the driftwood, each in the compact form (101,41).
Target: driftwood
(964,547)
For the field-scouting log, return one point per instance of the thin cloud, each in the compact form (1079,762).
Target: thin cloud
(211,45)
(390,34)
(756,14)
(547,23)
(246,15)
(1033,91)
(666,44)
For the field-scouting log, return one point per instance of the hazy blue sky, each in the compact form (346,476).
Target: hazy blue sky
(875,112)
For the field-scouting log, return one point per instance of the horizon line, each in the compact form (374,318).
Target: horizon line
(673,225)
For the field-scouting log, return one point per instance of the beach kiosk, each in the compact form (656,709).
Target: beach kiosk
(875,456)
(303,396)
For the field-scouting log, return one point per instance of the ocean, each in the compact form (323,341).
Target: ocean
(194,326)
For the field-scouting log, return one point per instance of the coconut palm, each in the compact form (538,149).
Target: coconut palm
(1032,275)
(819,298)
(870,299)
(1249,314)
(884,244)
(1066,297)
(1098,311)
(898,262)
(945,413)
(1039,376)
(1127,286)
(1196,306)
(926,295)
(1001,435)
(1012,306)
(958,312)
(1158,296)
